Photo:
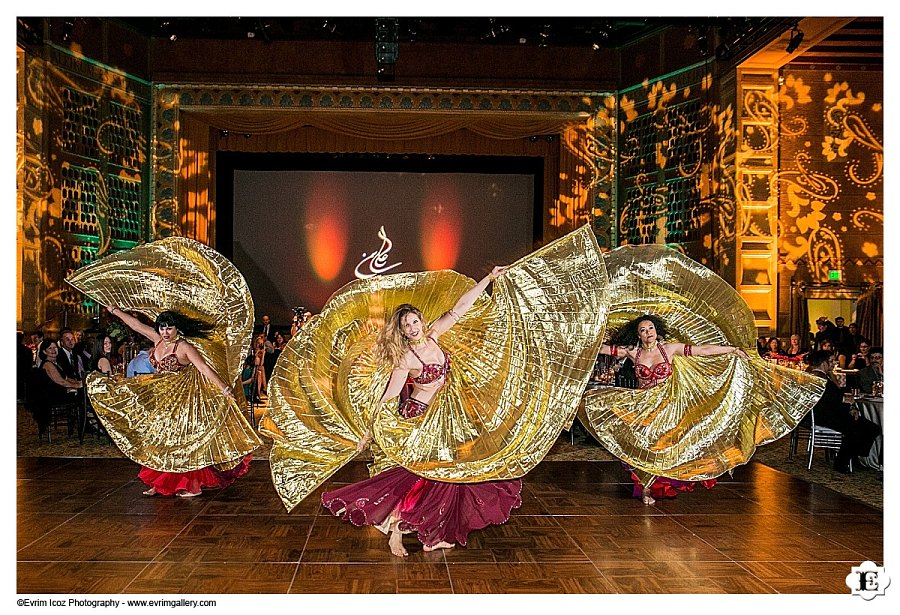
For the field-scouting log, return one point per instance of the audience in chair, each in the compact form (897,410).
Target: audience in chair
(873,372)
(830,411)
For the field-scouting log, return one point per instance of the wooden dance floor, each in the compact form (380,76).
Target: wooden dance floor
(83,527)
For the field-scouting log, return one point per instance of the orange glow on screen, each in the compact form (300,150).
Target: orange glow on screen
(441,227)
(325,227)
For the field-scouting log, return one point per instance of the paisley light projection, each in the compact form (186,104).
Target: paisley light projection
(712,413)
(830,183)
(521,360)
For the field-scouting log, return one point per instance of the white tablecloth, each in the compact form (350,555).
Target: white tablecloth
(872,408)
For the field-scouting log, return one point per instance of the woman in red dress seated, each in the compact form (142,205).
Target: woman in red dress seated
(396,501)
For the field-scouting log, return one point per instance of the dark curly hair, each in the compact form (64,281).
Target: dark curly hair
(627,334)
(187,326)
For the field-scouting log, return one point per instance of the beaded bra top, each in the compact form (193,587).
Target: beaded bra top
(168,363)
(432,372)
(651,376)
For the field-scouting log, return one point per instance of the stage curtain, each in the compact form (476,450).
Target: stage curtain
(870,315)
(383,126)
(567,168)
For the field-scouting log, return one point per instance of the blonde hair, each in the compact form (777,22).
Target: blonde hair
(391,344)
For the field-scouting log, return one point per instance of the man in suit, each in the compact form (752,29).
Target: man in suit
(872,373)
(843,339)
(830,411)
(266,328)
(69,361)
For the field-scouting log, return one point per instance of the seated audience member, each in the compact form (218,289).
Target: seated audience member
(68,360)
(773,348)
(84,347)
(794,349)
(830,411)
(858,359)
(247,377)
(280,341)
(269,358)
(873,372)
(140,364)
(762,345)
(854,338)
(104,359)
(51,387)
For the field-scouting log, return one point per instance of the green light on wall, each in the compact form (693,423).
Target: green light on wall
(834,275)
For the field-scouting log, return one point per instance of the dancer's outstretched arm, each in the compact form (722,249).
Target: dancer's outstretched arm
(465,302)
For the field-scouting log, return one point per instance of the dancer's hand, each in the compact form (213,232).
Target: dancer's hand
(229,393)
(740,352)
(363,443)
(495,272)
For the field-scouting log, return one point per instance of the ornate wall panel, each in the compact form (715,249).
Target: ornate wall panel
(756,166)
(673,140)
(82,165)
(378,120)
(831,177)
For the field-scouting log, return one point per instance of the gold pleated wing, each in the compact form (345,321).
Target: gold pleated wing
(521,359)
(712,413)
(176,421)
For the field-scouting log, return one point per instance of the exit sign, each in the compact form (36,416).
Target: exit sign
(834,275)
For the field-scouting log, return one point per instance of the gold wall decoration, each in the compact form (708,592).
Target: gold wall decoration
(82,162)
(756,165)
(675,144)
(831,177)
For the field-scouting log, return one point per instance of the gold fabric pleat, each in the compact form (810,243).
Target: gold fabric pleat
(712,413)
(176,421)
(521,358)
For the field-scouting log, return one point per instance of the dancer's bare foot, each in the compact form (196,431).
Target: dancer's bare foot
(395,542)
(648,501)
(150,491)
(188,494)
(441,545)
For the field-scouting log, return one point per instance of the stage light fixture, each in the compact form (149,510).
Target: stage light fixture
(795,40)
(544,36)
(68,29)
(387,47)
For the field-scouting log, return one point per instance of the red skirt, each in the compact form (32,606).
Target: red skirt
(436,511)
(663,487)
(170,483)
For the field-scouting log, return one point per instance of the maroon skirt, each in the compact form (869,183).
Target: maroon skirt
(170,483)
(663,487)
(436,511)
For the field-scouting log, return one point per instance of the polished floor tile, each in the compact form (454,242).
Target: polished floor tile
(84,527)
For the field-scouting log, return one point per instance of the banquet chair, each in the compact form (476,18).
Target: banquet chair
(816,436)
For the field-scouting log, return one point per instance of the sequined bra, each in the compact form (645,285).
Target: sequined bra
(651,376)
(168,363)
(432,372)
